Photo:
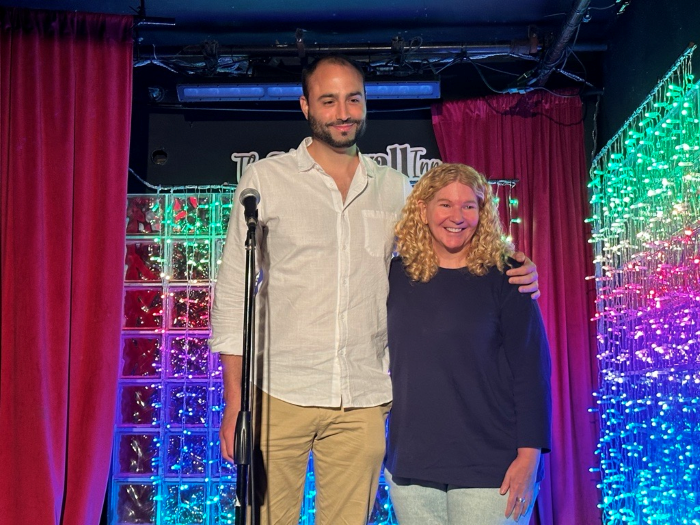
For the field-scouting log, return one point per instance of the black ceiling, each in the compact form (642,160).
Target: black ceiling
(502,44)
(270,22)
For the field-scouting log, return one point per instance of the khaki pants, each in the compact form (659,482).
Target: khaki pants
(348,449)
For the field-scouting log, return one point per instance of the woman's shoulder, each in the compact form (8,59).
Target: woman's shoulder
(498,280)
(495,273)
(396,266)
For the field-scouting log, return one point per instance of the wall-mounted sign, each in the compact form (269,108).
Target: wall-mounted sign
(409,160)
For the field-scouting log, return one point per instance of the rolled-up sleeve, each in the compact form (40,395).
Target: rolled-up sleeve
(227,310)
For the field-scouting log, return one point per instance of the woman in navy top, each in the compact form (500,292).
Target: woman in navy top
(470,363)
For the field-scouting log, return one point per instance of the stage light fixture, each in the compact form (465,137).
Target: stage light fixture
(376,90)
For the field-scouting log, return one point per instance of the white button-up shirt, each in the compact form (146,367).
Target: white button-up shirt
(321,307)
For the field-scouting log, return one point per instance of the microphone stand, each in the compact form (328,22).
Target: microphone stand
(243,439)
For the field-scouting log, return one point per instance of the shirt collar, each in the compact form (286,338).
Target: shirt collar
(306,162)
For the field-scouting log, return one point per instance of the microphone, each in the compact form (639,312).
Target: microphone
(250,198)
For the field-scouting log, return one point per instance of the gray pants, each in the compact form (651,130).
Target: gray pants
(439,504)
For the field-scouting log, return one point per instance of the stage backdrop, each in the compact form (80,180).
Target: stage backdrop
(171,401)
(178,147)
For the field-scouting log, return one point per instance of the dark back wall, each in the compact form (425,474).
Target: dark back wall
(648,38)
(174,147)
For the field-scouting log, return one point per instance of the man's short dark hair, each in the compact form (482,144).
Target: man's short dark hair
(340,60)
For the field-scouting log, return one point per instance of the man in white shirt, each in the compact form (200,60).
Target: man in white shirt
(325,238)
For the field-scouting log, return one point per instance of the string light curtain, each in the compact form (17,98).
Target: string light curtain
(646,233)
(537,138)
(65,108)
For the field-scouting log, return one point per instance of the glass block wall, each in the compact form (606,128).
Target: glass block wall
(166,466)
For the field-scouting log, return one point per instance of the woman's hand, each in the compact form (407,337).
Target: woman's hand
(525,275)
(520,483)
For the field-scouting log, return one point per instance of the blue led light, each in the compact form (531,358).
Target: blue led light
(376,90)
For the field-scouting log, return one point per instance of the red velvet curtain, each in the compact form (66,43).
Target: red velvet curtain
(537,138)
(65,109)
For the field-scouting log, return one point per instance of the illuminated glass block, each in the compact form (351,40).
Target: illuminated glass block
(140,405)
(143,308)
(224,503)
(188,357)
(189,308)
(170,384)
(216,257)
(144,214)
(224,214)
(141,356)
(383,510)
(144,262)
(135,503)
(215,368)
(220,469)
(307,513)
(191,261)
(190,215)
(137,454)
(185,503)
(187,404)
(186,455)
(217,405)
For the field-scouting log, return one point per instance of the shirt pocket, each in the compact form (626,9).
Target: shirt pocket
(379,232)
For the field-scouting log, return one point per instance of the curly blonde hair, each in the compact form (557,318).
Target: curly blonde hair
(487,248)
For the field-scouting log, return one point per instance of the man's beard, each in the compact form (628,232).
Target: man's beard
(321,132)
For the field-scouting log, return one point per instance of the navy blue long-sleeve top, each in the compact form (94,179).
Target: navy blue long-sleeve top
(470,370)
